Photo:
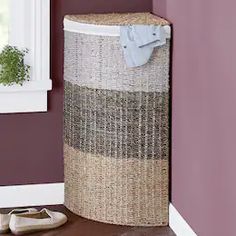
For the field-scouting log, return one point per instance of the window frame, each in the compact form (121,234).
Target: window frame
(29,28)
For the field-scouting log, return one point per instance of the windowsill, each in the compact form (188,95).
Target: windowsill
(30,86)
(30,97)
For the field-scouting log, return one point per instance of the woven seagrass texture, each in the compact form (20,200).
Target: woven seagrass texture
(117,124)
(116,130)
(141,18)
(117,191)
(97,62)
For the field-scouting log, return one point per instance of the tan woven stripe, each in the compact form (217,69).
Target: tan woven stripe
(117,191)
(144,18)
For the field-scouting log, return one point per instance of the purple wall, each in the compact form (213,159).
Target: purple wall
(204,112)
(31,144)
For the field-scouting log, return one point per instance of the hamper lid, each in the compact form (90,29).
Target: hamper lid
(142,18)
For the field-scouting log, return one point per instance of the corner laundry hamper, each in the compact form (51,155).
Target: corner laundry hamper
(116,123)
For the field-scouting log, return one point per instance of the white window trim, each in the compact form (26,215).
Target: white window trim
(30,28)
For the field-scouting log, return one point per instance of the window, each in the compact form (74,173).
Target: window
(26,24)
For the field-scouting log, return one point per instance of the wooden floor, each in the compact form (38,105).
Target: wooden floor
(78,226)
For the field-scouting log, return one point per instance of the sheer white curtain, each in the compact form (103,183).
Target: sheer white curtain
(4,22)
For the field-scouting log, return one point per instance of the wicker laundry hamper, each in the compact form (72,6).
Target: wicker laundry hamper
(116,124)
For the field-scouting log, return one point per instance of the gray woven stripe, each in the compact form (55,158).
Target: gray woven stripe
(97,62)
(117,124)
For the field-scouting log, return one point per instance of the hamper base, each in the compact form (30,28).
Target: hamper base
(161,224)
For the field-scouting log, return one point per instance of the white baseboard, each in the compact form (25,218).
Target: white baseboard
(31,195)
(178,224)
(53,194)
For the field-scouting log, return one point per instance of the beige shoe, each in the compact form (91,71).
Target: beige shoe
(32,222)
(5,218)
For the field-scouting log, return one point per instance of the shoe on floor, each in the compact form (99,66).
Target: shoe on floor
(32,222)
(5,218)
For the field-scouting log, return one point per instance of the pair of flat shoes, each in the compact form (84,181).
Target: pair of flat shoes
(29,220)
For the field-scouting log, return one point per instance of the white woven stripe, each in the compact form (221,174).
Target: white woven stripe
(102,65)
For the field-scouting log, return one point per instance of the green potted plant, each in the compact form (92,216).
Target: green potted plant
(13,70)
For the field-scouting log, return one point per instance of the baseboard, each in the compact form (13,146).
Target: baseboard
(178,224)
(31,195)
